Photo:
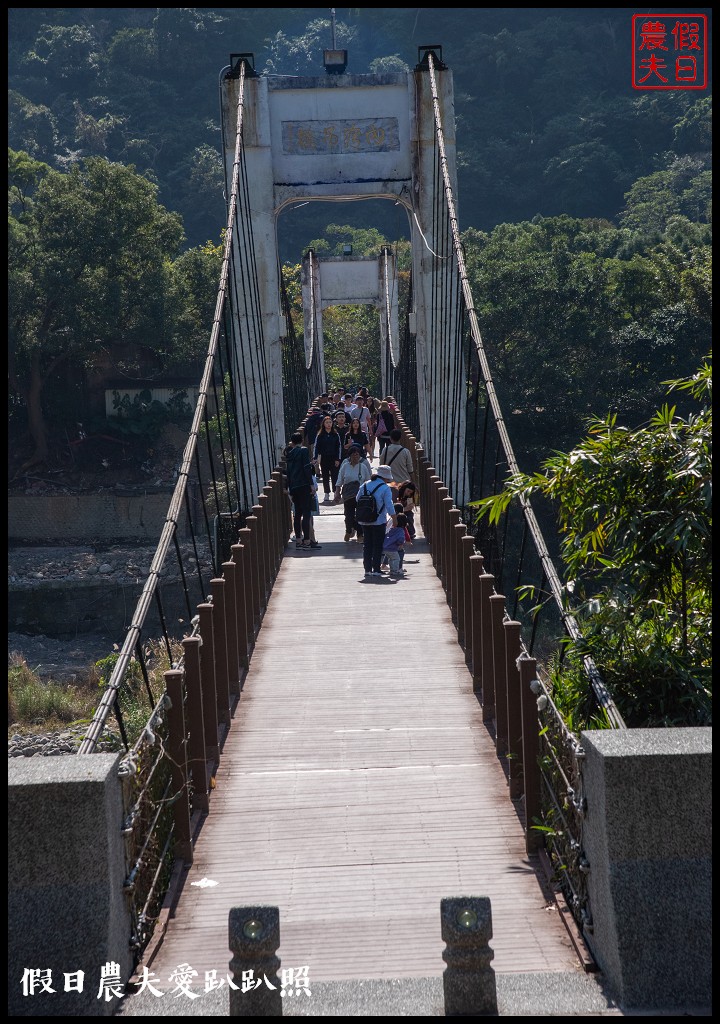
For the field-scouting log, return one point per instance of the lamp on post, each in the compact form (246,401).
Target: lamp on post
(335,61)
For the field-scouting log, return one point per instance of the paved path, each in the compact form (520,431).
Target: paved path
(358,786)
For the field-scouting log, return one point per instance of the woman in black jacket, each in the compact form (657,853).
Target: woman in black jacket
(327,454)
(356,435)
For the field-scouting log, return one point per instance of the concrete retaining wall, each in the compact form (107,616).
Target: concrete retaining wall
(66,912)
(647,837)
(106,516)
(69,608)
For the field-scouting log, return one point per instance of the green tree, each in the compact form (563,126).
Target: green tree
(693,131)
(64,53)
(134,50)
(391,65)
(352,347)
(32,127)
(89,258)
(302,54)
(579,317)
(635,515)
(192,298)
(684,187)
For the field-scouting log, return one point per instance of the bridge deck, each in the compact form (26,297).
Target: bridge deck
(358,786)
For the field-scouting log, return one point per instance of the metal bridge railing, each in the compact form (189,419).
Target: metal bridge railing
(480,563)
(542,758)
(168,774)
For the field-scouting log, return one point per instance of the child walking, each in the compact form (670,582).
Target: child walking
(394,545)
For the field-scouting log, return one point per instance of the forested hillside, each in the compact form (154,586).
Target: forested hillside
(585,206)
(547,122)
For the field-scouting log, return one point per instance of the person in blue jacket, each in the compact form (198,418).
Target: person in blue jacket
(374,528)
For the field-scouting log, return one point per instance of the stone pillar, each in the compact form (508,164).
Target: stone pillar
(469,980)
(66,907)
(254,937)
(648,840)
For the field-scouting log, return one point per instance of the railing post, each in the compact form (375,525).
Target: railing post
(246,541)
(287,514)
(280,538)
(255,566)
(271,490)
(440,493)
(513,649)
(259,532)
(453,519)
(420,460)
(459,531)
(467,551)
(264,503)
(209,686)
(531,753)
(197,757)
(231,637)
(431,500)
(222,689)
(176,750)
(486,582)
(237,552)
(497,611)
(446,505)
(476,567)
(424,473)
(271,544)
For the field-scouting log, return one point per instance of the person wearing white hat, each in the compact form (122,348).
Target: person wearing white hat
(373,506)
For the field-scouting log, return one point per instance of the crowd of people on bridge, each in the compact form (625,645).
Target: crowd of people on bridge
(337,447)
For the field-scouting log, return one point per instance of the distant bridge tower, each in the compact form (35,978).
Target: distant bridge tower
(350,280)
(345,136)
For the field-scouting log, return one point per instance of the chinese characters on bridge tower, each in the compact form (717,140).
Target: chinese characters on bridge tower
(669,51)
(360,135)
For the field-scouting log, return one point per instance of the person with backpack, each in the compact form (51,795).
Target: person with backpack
(301,485)
(373,506)
(398,458)
(354,472)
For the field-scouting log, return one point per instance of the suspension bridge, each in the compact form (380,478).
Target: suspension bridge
(349,751)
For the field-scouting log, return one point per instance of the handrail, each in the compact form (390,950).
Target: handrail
(601,691)
(109,697)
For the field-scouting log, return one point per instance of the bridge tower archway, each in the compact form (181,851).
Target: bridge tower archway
(345,136)
(347,281)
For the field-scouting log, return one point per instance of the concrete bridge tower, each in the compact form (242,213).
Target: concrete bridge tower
(345,136)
